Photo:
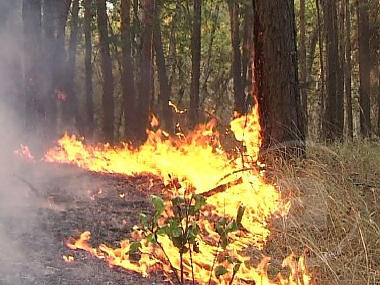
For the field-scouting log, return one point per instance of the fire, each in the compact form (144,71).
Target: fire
(194,163)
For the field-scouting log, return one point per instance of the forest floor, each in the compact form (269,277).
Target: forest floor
(43,204)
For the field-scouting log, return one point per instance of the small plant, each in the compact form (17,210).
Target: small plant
(178,219)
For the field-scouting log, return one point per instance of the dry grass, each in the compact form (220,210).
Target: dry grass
(347,249)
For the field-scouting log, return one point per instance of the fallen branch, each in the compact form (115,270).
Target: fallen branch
(222,187)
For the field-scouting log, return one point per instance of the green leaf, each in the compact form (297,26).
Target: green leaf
(177,201)
(240,214)
(220,270)
(236,267)
(151,238)
(163,231)
(158,204)
(224,241)
(176,232)
(144,220)
(200,201)
(134,247)
(231,227)
(177,242)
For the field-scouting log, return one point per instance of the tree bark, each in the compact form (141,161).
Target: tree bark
(88,67)
(61,11)
(34,110)
(332,125)
(347,71)
(322,66)
(302,61)
(364,67)
(247,54)
(239,96)
(146,69)
(127,76)
(165,90)
(106,66)
(71,101)
(276,78)
(195,63)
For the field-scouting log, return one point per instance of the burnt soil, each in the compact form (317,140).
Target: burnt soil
(43,204)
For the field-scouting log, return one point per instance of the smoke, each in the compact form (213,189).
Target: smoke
(17,214)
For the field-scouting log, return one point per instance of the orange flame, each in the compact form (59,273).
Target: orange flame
(198,163)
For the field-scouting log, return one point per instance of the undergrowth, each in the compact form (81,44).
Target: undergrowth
(346,248)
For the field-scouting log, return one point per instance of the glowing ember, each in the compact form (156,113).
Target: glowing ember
(197,163)
(68,258)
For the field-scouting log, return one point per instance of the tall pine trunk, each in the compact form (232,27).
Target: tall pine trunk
(72,102)
(332,124)
(347,71)
(88,67)
(127,76)
(146,69)
(106,66)
(302,60)
(276,78)
(364,67)
(239,97)
(195,63)
(34,110)
(165,90)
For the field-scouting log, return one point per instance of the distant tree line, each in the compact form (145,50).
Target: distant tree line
(104,67)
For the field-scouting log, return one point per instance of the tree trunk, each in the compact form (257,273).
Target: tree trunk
(247,54)
(106,66)
(165,91)
(49,61)
(276,78)
(302,61)
(61,11)
(34,110)
(239,97)
(127,76)
(195,63)
(146,69)
(88,67)
(322,66)
(71,101)
(364,67)
(332,124)
(347,71)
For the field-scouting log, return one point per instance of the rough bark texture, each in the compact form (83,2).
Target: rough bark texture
(127,76)
(247,54)
(332,125)
(34,110)
(276,76)
(195,62)
(165,91)
(347,71)
(106,65)
(49,61)
(239,97)
(146,69)
(61,11)
(302,60)
(364,67)
(88,67)
(72,101)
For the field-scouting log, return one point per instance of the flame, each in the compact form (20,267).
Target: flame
(24,152)
(193,162)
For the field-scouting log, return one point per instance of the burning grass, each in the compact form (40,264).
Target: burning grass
(333,221)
